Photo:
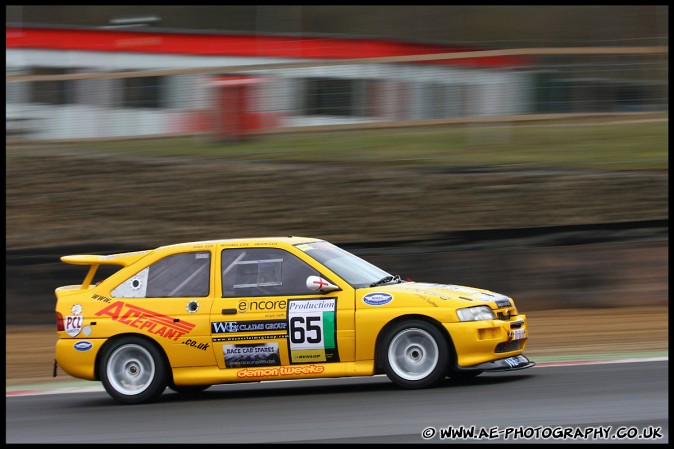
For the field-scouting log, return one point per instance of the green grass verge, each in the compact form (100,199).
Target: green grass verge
(621,143)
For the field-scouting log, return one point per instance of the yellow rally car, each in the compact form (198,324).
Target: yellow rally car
(193,315)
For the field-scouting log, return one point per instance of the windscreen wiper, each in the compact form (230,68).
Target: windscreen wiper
(386,280)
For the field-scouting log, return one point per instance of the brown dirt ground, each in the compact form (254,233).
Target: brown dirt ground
(564,332)
(57,198)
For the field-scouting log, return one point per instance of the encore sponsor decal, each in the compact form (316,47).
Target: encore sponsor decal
(261,305)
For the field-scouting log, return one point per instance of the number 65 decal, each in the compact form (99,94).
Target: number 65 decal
(312,330)
(305,329)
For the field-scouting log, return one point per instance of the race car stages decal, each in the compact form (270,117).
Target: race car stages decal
(251,354)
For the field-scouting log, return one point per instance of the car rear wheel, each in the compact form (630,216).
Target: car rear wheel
(415,355)
(133,371)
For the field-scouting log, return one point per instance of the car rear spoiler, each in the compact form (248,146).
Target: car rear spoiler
(94,261)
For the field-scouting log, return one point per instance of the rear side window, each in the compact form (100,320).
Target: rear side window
(176,276)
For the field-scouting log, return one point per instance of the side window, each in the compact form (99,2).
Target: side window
(264,272)
(179,275)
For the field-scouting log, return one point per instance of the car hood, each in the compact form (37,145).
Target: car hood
(435,295)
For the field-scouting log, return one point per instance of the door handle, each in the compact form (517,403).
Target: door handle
(229,311)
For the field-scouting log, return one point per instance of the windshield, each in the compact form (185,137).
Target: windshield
(354,270)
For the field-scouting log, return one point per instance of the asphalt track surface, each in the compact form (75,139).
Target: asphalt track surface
(567,403)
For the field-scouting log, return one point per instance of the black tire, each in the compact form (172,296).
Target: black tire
(133,371)
(188,389)
(415,354)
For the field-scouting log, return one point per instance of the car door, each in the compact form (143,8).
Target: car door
(270,314)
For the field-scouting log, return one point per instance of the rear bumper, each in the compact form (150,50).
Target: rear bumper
(78,360)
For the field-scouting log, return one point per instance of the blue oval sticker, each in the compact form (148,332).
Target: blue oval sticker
(83,346)
(377,299)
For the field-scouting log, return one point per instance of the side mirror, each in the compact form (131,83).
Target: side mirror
(317,283)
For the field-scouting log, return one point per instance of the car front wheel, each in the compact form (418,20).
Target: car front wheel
(133,371)
(415,355)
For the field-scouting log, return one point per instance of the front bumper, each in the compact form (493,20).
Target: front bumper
(490,343)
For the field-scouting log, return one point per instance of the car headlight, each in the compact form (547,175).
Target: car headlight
(477,313)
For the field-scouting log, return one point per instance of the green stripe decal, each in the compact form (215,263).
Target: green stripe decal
(329,329)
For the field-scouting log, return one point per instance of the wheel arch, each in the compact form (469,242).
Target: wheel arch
(378,350)
(112,340)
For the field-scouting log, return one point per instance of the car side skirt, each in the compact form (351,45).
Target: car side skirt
(213,375)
